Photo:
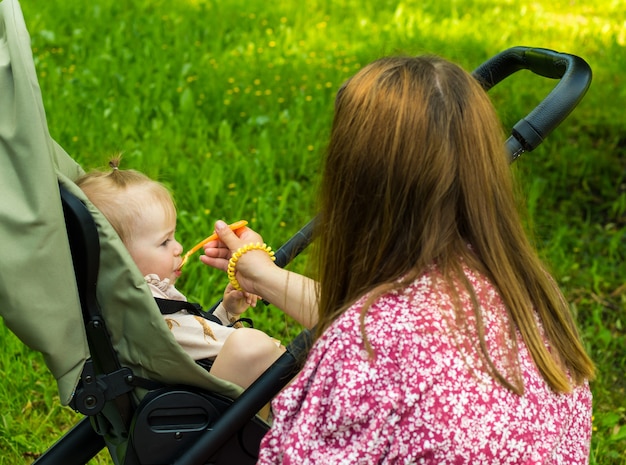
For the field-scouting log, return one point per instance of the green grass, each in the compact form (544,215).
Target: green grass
(229,103)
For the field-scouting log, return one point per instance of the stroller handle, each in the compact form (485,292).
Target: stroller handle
(575,77)
(296,244)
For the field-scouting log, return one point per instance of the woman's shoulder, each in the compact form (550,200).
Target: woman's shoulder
(395,321)
(420,314)
(415,307)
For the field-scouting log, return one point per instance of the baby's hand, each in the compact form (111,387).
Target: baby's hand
(236,302)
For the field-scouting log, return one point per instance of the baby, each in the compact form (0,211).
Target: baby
(143,214)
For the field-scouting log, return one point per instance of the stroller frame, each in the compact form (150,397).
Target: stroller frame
(144,421)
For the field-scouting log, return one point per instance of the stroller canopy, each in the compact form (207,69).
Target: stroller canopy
(38,296)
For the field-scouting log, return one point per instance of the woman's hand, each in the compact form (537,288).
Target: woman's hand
(257,274)
(250,264)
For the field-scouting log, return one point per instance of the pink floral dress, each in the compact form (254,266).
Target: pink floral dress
(425,397)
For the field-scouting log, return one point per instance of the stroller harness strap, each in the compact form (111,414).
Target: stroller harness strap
(169,307)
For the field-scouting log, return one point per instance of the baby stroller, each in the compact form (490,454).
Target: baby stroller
(91,315)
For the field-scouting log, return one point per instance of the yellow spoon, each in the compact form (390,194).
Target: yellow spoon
(235,226)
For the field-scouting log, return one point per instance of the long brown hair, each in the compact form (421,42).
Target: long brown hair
(416,171)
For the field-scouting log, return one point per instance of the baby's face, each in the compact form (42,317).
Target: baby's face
(153,246)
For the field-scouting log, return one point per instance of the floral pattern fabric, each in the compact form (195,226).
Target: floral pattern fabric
(425,397)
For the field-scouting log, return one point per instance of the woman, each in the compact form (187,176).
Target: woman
(441,336)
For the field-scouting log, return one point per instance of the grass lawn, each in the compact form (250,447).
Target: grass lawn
(229,104)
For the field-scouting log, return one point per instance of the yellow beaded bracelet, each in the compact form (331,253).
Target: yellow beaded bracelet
(232,263)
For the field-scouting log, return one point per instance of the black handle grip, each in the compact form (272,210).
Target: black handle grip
(575,77)
(296,244)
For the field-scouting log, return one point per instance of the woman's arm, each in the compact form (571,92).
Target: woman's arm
(294,294)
